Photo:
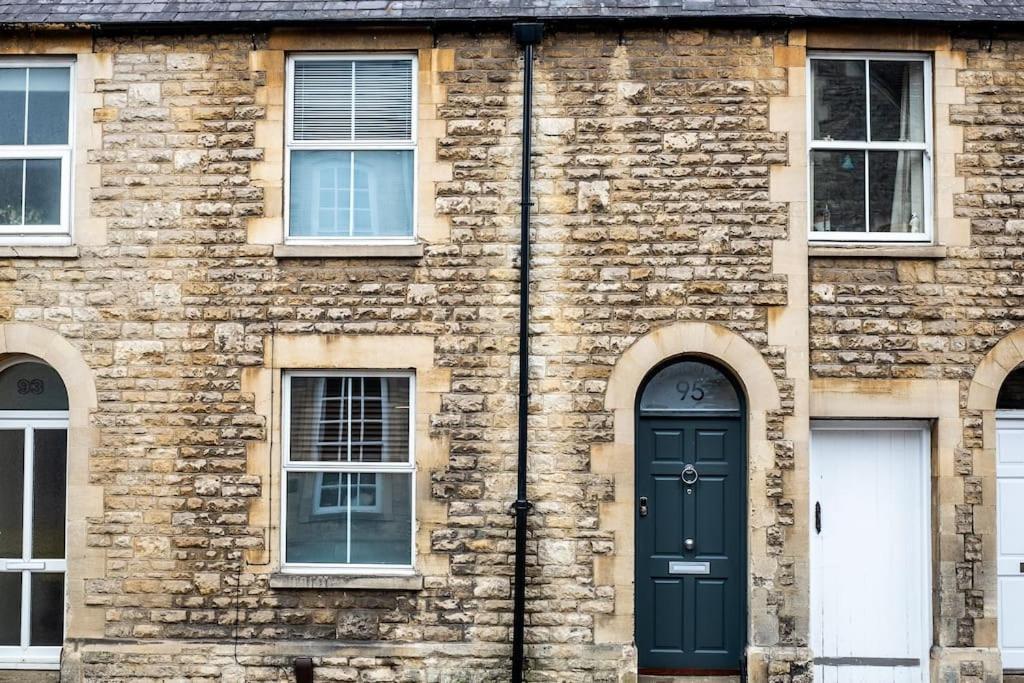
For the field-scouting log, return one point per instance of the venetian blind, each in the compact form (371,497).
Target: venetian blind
(352,100)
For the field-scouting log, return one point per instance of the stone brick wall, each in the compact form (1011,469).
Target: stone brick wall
(937,318)
(652,156)
(652,170)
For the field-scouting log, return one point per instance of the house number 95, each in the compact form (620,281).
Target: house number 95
(696,392)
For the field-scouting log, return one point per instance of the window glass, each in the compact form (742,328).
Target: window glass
(10,608)
(42,191)
(35,139)
(48,96)
(897,191)
(839,100)
(33,470)
(321,193)
(32,386)
(11,187)
(689,386)
(49,475)
(352,100)
(12,106)
(351,503)
(1011,393)
(351,194)
(12,483)
(351,149)
(47,624)
(897,101)
(349,518)
(837,185)
(868,151)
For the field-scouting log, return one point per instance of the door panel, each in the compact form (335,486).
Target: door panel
(711,607)
(1010,539)
(710,516)
(691,621)
(869,599)
(668,613)
(668,524)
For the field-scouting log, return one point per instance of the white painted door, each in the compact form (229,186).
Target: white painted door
(1010,509)
(870,578)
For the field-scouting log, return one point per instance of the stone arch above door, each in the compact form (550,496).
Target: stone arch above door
(982,399)
(85,500)
(698,339)
(993,369)
(616,459)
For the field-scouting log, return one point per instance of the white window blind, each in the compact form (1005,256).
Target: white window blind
(353,100)
(349,471)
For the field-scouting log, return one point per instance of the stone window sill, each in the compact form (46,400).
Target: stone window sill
(413,582)
(410,251)
(16,251)
(919,251)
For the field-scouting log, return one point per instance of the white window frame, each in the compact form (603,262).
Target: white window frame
(925,237)
(291,144)
(289,466)
(45,234)
(23,656)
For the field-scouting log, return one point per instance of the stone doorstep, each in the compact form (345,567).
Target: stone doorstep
(22,676)
(1013,677)
(689,679)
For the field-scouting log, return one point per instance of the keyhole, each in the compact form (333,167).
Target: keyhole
(689,491)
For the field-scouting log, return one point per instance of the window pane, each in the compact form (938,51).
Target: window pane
(49,493)
(383,99)
(42,192)
(12,106)
(10,191)
(48,93)
(691,386)
(897,101)
(12,485)
(10,608)
(897,191)
(382,520)
(32,386)
(839,99)
(322,100)
(313,536)
(349,419)
(47,616)
(321,192)
(383,194)
(837,180)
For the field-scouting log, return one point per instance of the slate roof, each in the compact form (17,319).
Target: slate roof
(110,12)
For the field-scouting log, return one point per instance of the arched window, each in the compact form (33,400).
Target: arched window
(33,499)
(1011,393)
(689,386)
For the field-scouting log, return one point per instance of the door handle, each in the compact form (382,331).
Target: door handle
(817,517)
(24,564)
(643,506)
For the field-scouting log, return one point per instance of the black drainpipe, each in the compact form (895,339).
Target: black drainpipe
(527,35)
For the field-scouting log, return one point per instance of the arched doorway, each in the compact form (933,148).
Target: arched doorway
(691,520)
(33,502)
(1010,518)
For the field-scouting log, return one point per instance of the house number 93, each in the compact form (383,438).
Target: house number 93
(30,386)
(694,392)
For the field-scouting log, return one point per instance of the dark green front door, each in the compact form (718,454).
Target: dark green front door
(690,544)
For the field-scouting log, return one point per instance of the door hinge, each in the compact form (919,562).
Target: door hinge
(643,506)
(817,517)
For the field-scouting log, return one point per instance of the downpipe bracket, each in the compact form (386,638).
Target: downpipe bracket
(519,506)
